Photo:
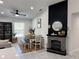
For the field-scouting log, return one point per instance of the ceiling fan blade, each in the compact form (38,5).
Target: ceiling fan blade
(13,12)
(22,14)
(17,12)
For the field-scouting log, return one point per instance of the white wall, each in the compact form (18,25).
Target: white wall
(74,5)
(74,36)
(72,41)
(44,26)
(28,23)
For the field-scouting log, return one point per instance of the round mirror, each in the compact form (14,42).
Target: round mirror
(57,25)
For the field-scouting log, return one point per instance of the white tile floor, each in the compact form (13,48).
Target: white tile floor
(46,55)
(42,54)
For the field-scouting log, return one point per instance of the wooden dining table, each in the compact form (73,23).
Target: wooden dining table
(22,43)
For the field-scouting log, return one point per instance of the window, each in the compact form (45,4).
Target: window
(19,28)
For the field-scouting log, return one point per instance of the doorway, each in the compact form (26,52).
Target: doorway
(74,37)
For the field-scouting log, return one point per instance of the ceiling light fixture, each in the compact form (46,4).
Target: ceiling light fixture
(1,2)
(31,7)
(16,15)
(2,12)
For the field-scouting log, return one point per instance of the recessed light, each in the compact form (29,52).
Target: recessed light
(1,2)
(31,7)
(2,12)
(16,15)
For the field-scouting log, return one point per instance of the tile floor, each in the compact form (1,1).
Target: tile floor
(46,55)
(43,54)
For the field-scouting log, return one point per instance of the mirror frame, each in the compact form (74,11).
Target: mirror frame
(57,25)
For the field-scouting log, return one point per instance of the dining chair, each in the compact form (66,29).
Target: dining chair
(26,44)
(37,42)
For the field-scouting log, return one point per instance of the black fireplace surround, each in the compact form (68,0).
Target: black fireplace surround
(56,45)
(57,12)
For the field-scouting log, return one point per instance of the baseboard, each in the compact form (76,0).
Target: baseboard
(73,51)
(56,51)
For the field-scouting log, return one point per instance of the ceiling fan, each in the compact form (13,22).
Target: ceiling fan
(16,13)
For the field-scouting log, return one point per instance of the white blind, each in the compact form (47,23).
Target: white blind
(19,27)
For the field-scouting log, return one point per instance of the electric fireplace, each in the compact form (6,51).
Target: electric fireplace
(57,45)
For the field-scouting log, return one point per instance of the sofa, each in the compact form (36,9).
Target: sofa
(5,44)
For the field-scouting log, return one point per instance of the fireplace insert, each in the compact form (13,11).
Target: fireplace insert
(56,45)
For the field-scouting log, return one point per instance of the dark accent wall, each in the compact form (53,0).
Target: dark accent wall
(58,12)
(5,31)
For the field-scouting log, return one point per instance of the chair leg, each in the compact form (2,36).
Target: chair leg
(28,47)
(40,46)
(35,47)
(24,48)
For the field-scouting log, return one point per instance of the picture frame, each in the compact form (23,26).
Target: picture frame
(39,23)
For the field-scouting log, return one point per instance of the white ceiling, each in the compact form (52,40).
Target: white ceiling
(24,7)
